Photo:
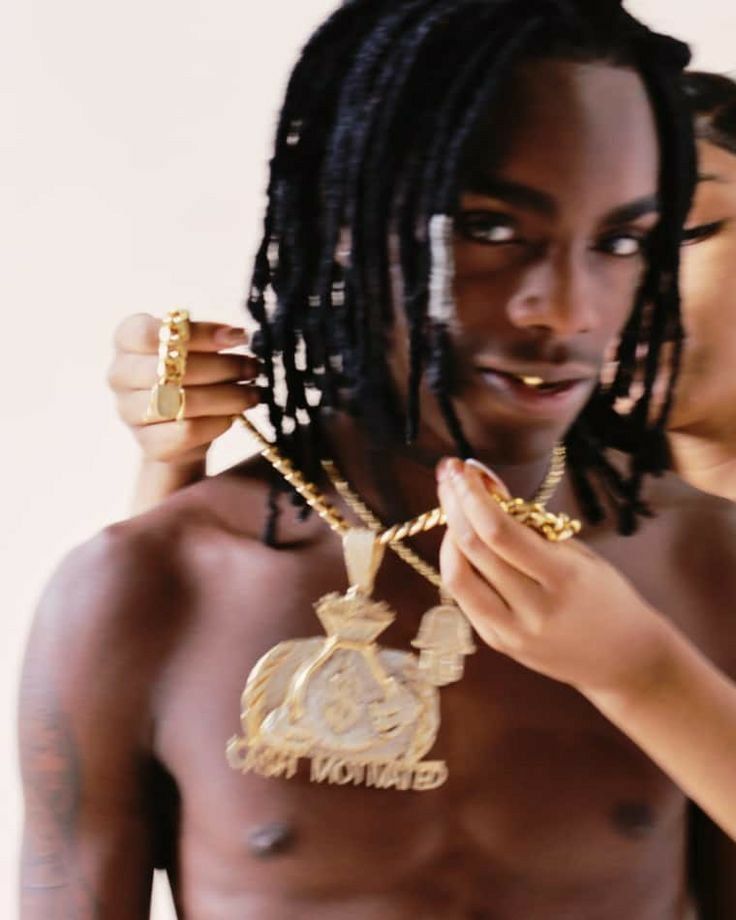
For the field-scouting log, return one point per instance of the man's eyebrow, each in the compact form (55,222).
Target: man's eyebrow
(533,199)
(513,193)
(632,211)
(712,177)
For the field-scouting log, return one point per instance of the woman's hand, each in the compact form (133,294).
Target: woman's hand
(560,609)
(213,383)
(217,388)
(556,608)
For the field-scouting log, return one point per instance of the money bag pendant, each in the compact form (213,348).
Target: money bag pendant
(362,714)
(444,639)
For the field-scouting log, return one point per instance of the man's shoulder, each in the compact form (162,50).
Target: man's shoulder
(235,502)
(134,576)
(117,606)
(93,646)
(101,590)
(670,496)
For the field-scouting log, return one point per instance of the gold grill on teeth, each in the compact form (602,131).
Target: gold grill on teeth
(531,381)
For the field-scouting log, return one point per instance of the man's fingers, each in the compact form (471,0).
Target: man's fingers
(174,441)
(138,372)
(222,399)
(139,334)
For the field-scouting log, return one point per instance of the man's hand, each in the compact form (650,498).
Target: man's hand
(556,608)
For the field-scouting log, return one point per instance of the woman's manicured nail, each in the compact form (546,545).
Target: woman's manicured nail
(231,335)
(455,468)
(441,469)
(251,368)
(492,480)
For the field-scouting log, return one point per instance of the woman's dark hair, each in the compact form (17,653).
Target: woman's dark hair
(712,97)
(369,148)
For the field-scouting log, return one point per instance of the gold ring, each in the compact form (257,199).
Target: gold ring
(168,399)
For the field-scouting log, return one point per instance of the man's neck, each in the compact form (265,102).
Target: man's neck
(398,482)
(706,459)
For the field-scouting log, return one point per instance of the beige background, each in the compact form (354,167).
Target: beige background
(132,148)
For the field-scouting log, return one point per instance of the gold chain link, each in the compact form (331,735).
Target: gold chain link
(533,514)
(364,513)
(173,337)
(317,502)
(429,572)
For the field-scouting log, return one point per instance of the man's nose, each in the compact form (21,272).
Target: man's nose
(556,294)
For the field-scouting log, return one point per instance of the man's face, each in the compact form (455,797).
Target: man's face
(558,199)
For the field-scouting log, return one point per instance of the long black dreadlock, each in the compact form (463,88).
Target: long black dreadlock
(712,97)
(378,114)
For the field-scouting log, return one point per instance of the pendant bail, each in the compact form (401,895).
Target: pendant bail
(363,556)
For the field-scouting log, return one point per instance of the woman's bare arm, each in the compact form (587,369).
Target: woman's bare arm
(565,612)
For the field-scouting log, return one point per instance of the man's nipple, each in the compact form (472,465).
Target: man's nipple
(633,819)
(269,840)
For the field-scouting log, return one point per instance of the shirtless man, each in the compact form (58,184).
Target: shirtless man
(146,634)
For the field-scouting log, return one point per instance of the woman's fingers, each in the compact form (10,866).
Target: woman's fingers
(516,589)
(213,386)
(180,442)
(223,399)
(519,546)
(485,609)
(139,334)
(130,371)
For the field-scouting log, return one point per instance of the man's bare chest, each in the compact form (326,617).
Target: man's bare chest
(684,565)
(539,782)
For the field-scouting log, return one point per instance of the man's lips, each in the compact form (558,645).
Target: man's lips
(537,390)
(547,374)
(535,381)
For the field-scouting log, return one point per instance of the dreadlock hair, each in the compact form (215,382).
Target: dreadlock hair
(378,114)
(712,98)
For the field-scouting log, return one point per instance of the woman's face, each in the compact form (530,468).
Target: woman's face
(706,393)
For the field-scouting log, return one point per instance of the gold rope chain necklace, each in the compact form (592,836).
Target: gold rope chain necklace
(554,527)
(360,713)
(544,493)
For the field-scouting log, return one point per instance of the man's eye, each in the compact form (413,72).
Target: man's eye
(483,227)
(623,245)
(700,232)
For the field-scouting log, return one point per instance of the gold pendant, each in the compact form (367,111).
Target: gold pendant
(444,639)
(362,714)
(167,403)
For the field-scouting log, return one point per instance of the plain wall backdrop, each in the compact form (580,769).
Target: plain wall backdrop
(133,144)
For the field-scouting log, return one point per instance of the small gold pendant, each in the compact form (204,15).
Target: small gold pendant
(444,639)
(167,403)
(362,714)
